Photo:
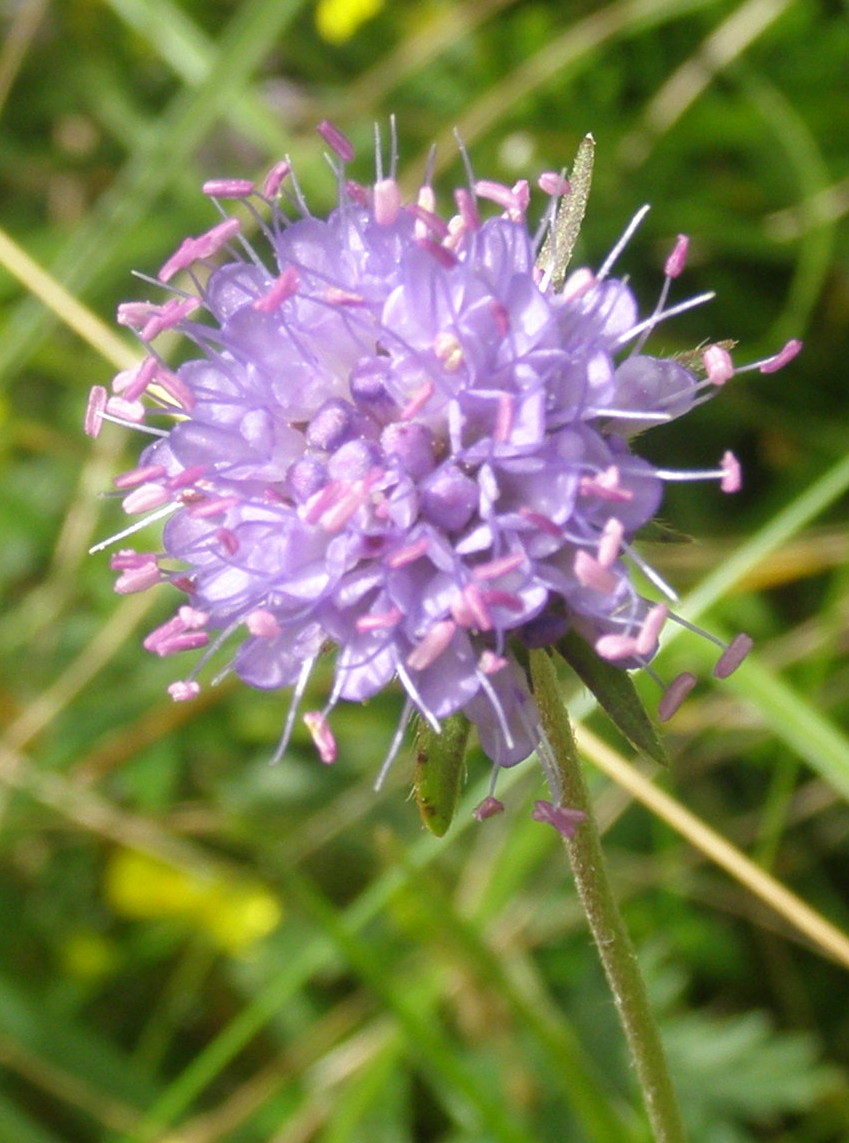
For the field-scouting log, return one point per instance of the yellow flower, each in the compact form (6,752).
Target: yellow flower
(338,20)
(235,913)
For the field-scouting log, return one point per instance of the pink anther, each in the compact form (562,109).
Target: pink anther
(138,476)
(615,647)
(228,188)
(95,408)
(336,140)
(780,359)
(435,641)
(488,808)
(275,177)
(554,184)
(284,287)
(732,656)
(718,364)
(322,735)
(184,691)
(677,260)
(674,695)
(387,201)
(731,477)
(610,543)
(262,623)
(144,498)
(650,631)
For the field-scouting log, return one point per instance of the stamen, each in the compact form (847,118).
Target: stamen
(228,540)
(180,633)
(131,383)
(262,623)
(780,359)
(169,316)
(336,140)
(610,542)
(297,696)
(591,573)
(95,408)
(135,314)
(506,599)
(413,691)
(322,735)
(663,315)
(145,497)
(613,647)
(488,808)
(135,527)
(650,573)
(442,254)
(417,401)
(554,184)
(337,296)
(469,609)
(428,650)
(449,353)
(348,504)
(188,477)
(605,485)
(540,521)
(175,388)
(181,259)
(426,201)
(284,287)
(490,663)
(728,474)
(184,691)
(127,412)
(136,575)
(677,260)
(675,694)
(628,234)
(228,188)
(504,418)
(650,631)
(387,201)
(467,208)
(578,283)
(216,506)
(731,478)
(498,193)
(733,656)
(394,745)
(275,177)
(381,621)
(431,222)
(718,364)
(492,569)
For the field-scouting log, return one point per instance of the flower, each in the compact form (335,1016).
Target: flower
(404,437)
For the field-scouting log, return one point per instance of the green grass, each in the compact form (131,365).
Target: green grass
(196,947)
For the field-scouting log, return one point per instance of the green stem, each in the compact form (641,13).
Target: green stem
(608,929)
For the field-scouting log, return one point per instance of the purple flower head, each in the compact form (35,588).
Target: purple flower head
(401,438)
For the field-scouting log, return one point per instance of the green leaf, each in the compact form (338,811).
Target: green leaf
(616,694)
(563,233)
(439,770)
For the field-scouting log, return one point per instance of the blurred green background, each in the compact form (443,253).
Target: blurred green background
(198,948)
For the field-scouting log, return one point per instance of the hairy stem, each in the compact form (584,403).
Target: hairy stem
(608,929)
